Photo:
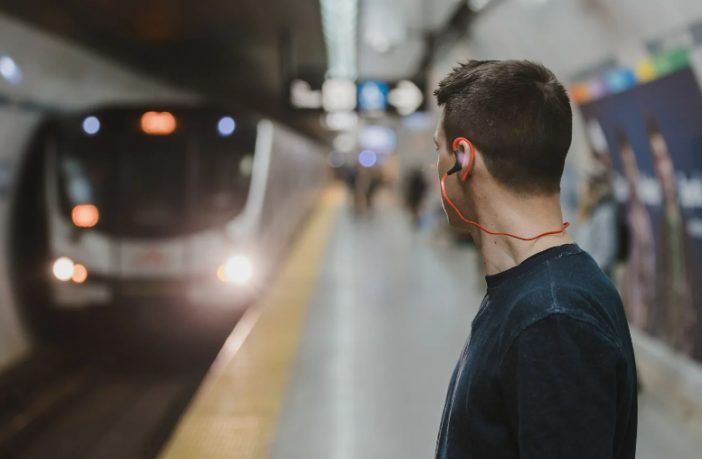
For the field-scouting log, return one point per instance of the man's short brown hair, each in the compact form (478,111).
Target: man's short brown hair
(517,114)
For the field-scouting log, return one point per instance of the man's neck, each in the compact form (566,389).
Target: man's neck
(521,217)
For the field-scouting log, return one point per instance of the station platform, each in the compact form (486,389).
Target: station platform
(350,353)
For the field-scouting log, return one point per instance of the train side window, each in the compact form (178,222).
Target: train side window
(224,174)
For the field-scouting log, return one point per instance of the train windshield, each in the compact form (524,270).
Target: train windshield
(156,185)
(154,182)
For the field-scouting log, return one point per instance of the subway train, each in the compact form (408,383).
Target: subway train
(189,203)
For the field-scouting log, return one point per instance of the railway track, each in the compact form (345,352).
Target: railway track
(100,398)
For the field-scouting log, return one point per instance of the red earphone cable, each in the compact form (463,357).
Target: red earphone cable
(443,192)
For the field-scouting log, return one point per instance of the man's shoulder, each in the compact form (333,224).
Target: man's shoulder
(571,286)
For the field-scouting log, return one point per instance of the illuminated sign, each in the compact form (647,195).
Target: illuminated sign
(406,97)
(339,95)
(303,96)
(155,123)
(372,96)
(343,96)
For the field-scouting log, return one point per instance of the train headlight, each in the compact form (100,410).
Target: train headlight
(64,269)
(236,270)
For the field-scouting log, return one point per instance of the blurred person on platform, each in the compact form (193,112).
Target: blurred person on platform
(676,312)
(363,183)
(416,188)
(375,181)
(548,371)
(597,232)
(639,280)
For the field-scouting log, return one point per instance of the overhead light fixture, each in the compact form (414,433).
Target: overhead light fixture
(339,21)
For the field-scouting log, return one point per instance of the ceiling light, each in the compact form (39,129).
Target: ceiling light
(339,19)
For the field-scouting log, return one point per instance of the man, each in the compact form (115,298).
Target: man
(548,372)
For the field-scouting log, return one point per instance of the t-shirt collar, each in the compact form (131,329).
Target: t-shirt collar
(495,280)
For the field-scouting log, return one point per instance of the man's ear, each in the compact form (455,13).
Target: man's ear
(466,155)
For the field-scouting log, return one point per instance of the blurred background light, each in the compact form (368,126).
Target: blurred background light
(339,21)
(345,142)
(9,70)
(91,125)
(335,159)
(367,158)
(341,121)
(381,139)
(226,126)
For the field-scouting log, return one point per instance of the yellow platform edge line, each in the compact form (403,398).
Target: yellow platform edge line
(235,411)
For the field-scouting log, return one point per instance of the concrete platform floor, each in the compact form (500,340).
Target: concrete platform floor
(389,315)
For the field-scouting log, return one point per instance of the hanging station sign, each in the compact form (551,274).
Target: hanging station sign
(371,96)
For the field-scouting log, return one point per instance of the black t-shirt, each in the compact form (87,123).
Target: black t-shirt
(549,371)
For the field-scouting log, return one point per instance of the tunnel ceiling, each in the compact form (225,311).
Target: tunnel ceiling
(234,50)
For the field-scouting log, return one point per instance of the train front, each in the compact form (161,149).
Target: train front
(150,204)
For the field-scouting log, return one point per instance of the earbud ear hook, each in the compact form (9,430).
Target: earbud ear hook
(459,164)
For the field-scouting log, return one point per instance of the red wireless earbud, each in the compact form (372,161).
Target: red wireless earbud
(456,168)
(472,154)
(459,164)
